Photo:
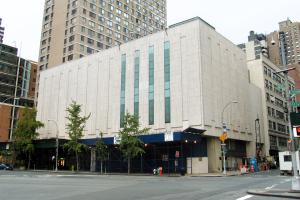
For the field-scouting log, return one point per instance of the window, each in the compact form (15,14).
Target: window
(167,82)
(70,57)
(122,96)
(287,158)
(151,85)
(71,47)
(71,38)
(90,41)
(89,50)
(136,82)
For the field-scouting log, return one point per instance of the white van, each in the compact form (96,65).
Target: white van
(285,162)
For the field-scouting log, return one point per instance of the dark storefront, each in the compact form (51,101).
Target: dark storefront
(170,155)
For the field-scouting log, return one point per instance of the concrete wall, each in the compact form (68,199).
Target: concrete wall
(197,165)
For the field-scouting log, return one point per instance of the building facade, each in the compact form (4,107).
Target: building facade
(290,33)
(260,49)
(16,74)
(175,80)
(262,74)
(1,32)
(72,29)
(255,46)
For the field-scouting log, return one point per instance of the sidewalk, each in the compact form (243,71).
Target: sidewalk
(67,172)
(275,193)
(218,174)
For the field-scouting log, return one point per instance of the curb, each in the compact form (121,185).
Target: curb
(275,193)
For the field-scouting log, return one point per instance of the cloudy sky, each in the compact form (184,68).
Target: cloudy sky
(232,18)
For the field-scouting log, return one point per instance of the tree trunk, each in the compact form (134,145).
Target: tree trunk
(77,161)
(29,158)
(101,166)
(128,165)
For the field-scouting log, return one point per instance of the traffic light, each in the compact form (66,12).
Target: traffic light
(296,131)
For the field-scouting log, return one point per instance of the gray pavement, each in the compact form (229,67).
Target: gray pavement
(67,186)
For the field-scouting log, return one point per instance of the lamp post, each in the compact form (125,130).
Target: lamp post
(223,144)
(257,131)
(56,156)
(295,180)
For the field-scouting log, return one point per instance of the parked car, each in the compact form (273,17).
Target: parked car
(5,167)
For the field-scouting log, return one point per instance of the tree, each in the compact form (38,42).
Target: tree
(130,145)
(102,150)
(25,133)
(75,128)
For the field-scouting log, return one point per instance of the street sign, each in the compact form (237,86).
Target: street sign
(223,137)
(295,104)
(295,92)
(296,131)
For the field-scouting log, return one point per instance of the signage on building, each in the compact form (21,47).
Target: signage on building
(117,139)
(177,154)
(169,137)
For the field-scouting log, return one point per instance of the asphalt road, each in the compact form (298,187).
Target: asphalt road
(50,186)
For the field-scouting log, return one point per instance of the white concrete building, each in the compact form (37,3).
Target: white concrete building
(174,79)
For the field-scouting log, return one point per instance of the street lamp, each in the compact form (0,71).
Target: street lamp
(257,132)
(295,180)
(56,157)
(223,144)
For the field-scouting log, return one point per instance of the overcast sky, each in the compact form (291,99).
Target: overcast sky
(232,18)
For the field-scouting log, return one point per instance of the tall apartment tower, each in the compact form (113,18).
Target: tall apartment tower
(75,28)
(1,32)
(290,31)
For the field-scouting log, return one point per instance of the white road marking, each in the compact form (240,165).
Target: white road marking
(245,197)
(268,188)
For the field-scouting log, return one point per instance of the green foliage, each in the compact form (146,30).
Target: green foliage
(101,148)
(130,145)
(25,132)
(75,127)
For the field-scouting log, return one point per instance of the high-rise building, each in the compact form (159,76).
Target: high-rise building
(290,33)
(1,32)
(72,29)
(75,28)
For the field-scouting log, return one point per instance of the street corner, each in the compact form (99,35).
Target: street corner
(275,193)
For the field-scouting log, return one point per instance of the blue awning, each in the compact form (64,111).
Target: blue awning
(187,135)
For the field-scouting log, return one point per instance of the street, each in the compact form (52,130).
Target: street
(51,186)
